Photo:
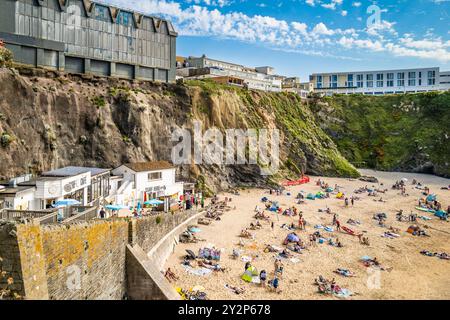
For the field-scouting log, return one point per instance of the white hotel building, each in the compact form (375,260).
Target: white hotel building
(381,82)
(259,78)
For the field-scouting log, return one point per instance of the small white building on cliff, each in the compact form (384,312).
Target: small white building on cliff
(144,181)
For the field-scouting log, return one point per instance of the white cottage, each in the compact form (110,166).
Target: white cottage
(143,181)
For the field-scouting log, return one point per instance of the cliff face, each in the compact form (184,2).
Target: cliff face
(49,120)
(397,132)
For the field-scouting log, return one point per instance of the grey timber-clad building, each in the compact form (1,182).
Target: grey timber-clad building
(82,36)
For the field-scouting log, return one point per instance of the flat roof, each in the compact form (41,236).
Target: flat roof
(74,171)
(14,190)
(373,71)
(149,166)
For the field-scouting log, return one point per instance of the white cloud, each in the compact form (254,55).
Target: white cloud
(293,36)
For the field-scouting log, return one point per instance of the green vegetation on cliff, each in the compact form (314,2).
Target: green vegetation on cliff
(396,132)
(306,148)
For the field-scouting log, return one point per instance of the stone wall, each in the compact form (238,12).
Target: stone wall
(10,259)
(86,260)
(147,232)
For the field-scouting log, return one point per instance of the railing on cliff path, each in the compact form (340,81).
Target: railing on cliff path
(52,216)
(89,213)
(15,215)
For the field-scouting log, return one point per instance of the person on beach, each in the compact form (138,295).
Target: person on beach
(338,225)
(102,213)
(334,219)
(312,241)
(202,202)
(263,278)
(346,202)
(353,201)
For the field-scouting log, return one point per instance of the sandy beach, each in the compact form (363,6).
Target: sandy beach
(413,275)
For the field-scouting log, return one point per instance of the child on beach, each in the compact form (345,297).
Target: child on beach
(263,278)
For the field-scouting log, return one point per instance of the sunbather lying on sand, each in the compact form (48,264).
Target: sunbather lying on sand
(210,265)
(285,254)
(375,263)
(344,272)
(170,276)
(236,290)
(246,234)
(442,255)
(270,248)
(353,222)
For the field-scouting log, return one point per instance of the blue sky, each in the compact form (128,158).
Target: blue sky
(300,37)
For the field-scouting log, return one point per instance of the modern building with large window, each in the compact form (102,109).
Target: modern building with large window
(381,82)
(82,36)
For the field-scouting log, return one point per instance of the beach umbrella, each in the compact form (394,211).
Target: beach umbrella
(153,202)
(116,207)
(293,238)
(66,203)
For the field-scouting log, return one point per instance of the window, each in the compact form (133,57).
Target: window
(431,78)
(390,79)
(380,81)
(319,82)
(333,81)
(125,18)
(350,81)
(359,80)
(411,79)
(369,81)
(102,13)
(401,79)
(154,176)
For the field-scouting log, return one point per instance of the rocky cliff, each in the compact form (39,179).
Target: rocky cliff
(397,132)
(49,119)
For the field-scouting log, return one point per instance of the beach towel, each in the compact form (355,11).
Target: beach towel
(310,196)
(329,229)
(202,272)
(294,260)
(344,294)
(425,218)
(318,226)
(246,259)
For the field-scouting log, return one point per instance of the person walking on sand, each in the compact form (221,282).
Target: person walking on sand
(353,201)
(346,202)
(334,219)
(338,225)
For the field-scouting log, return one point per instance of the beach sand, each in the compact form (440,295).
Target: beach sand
(414,276)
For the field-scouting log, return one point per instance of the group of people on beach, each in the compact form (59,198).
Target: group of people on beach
(293,243)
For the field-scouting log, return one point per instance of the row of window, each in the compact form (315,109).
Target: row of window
(414,78)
